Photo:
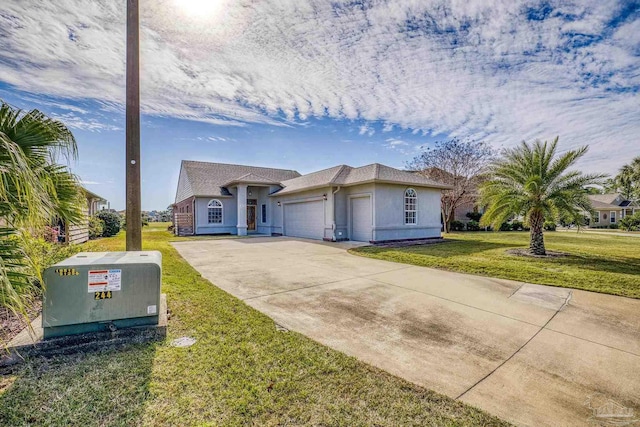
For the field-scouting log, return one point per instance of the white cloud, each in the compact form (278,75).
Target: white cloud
(366,130)
(402,146)
(392,142)
(218,139)
(462,68)
(83,122)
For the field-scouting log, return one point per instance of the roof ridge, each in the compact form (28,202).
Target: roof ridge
(254,174)
(335,176)
(236,164)
(259,177)
(314,172)
(323,170)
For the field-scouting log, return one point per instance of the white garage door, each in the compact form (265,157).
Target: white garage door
(304,219)
(361,219)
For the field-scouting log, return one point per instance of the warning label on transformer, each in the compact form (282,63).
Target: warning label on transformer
(105,280)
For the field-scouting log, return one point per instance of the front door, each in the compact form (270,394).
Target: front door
(251,215)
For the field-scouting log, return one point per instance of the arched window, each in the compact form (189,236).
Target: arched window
(214,212)
(410,206)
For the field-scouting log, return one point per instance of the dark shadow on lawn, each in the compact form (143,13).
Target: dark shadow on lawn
(464,247)
(85,389)
(593,263)
(449,247)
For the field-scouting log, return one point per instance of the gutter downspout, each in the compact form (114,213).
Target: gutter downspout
(193,209)
(333,213)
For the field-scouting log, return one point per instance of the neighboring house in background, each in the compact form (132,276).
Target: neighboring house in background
(462,211)
(611,208)
(369,203)
(79,233)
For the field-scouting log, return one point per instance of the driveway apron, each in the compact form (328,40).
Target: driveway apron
(530,354)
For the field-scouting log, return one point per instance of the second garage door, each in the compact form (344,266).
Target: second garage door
(361,219)
(304,219)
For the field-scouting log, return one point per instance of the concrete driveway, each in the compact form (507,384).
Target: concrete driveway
(533,355)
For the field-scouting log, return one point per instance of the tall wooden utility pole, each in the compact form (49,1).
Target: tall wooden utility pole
(134,211)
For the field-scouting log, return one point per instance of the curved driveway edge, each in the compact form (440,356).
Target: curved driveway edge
(533,355)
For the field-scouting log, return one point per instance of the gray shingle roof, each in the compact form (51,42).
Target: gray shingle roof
(321,178)
(601,205)
(611,200)
(604,198)
(346,175)
(252,178)
(209,179)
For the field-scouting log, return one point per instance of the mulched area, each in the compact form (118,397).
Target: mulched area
(527,253)
(11,324)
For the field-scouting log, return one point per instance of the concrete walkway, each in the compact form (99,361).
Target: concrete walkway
(533,355)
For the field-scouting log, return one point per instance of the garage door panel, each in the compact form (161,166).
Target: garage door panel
(304,219)
(361,219)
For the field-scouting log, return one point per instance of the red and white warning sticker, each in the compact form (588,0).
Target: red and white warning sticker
(105,280)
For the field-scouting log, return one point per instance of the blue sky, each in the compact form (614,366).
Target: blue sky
(310,84)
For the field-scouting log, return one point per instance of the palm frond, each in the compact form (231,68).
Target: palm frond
(533,178)
(15,286)
(34,190)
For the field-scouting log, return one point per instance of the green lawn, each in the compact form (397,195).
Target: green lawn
(609,230)
(597,262)
(241,371)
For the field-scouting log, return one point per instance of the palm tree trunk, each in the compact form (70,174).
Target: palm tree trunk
(536,246)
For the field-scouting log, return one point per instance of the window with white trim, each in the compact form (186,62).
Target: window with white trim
(410,206)
(612,216)
(596,217)
(214,214)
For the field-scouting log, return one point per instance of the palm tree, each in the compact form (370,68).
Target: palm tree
(34,189)
(627,182)
(623,182)
(532,181)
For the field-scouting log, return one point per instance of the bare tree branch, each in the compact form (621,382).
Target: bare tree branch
(460,164)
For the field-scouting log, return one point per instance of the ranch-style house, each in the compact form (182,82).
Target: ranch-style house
(371,203)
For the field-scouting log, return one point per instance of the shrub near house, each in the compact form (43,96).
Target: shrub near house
(112,223)
(456,225)
(631,223)
(96,227)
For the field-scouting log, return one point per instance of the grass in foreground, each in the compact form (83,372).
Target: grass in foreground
(596,262)
(241,371)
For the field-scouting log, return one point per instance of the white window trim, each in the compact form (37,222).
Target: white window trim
(596,218)
(405,210)
(612,217)
(215,207)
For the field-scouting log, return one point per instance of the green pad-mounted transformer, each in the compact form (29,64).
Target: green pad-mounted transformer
(101,291)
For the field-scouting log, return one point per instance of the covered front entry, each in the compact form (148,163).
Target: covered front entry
(304,219)
(251,214)
(361,219)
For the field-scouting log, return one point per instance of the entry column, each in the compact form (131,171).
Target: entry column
(241,195)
